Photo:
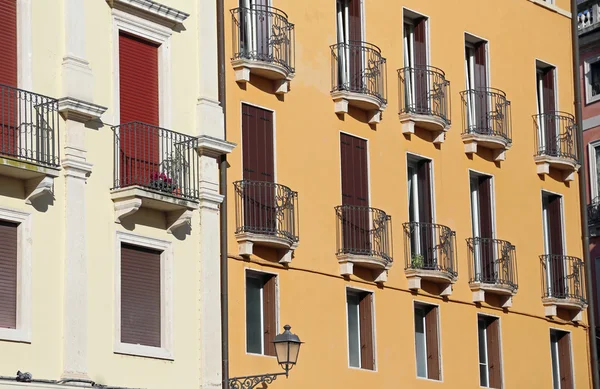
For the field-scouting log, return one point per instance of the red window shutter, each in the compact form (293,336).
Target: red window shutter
(8,274)
(140,296)
(8,42)
(433,357)
(365,307)
(269,315)
(494,357)
(564,361)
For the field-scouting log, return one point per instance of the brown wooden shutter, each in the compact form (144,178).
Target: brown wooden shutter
(420,37)
(564,361)
(549,95)
(366,331)
(355,177)
(433,357)
(556,246)
(485,229)
(494,357)
(8,274)
(355,37)
(8,42)
(552,146)
(480,84)
(257,144)
(140,296)
(424,188)
(480,69)
(355,20)
(269,315)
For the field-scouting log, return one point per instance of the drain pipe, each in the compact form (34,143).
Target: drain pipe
(223,191)
(583,199)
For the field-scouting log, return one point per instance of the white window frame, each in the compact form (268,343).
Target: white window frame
(421,308)
(554,351)
(571,356)
(259,273)
(408,17)
(487,358)
(355,290)
(500,346)
(475,227)
(166,297)
(423,305)
(587,76)
(22,332)
(345,35)
(470,42)
(594,190)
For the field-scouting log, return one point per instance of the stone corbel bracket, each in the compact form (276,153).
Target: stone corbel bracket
(126,207)
(176,220)
(213,147)
(37,188)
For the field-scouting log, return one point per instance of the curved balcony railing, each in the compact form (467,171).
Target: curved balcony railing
(555,135)
(486,111)
(430,246)
(364,231)
(424,90)
(359,67)
(563,277)
(29,129)
(156,158)
(266,208)
(263,33)
(593,210)
(492,261)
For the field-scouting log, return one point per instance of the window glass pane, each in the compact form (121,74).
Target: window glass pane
(555,367)
(483,373)
(353,330)
(595,78)
(420,345)
(254,332)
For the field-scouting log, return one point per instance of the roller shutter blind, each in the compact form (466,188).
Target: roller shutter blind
(8,274)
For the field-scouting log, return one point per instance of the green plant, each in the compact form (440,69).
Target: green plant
(417,261)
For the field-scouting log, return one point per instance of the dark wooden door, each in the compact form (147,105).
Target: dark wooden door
(138,99)
(259,170)
(558,280)
(480,85)
(355,193)
(355,45)
(486,243)
(552,146)
(9,136)
(420,58)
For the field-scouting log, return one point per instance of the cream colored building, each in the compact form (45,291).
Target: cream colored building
(85,196)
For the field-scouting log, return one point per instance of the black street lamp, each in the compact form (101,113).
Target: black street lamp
(287,347)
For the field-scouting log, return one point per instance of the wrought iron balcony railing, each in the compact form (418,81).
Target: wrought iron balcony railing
(563,277)
(29,129)
(364,231)
(430,246)
(266,208)
(492,261)
(263,33)
(588,15)
(424,90)
(155,158)
(555,135)
(593,210)
(359,67)
(486,111)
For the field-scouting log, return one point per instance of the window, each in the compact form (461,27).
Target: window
(592,79)
(261,313)
(594,161)
(255,28)
(490,360)
(420,210)
(482,227)
(426,341)
(556,266)
(415,61)
(549,137)
(144,297)
(360,329)
(476,75)
(350,38)
(560,349)
(15,276)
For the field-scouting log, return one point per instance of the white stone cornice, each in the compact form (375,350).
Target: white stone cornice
(213,147)
(210,199)
(82,111)
(160,11)
(76,167)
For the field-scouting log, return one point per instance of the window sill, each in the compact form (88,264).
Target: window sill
(260,355)
(552,7)
(362,369)
(15,335)
(144,351)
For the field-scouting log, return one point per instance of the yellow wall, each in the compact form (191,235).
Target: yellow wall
(312,292)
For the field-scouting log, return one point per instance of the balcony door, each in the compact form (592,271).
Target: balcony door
(423,253)
(478,100)
(415,62)
(546,104)
(255,29)
(9,135)
(556,273)
(350,47)
(481,216)
(356,217)
(260,209)
(139,145)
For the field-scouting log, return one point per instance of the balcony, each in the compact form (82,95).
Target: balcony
(492,269)
(263,45)
(430,254)
(588,16)
(155,169)
(555,144)
(424,101)
(29,140)
(266,214)
(563,285)
(359,79)
(364,239)
(486,121)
